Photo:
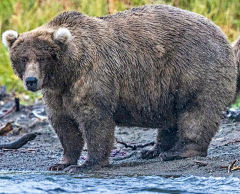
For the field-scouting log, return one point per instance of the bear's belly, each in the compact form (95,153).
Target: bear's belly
(130,117)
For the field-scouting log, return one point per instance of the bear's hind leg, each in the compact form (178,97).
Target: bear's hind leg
(196,128)
(166,139)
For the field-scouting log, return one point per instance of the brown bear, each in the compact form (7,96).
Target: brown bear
(236,52)
(153,66)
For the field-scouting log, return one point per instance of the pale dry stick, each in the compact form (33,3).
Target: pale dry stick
(230,166)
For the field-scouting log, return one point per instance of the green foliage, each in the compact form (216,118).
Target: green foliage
(237,104)
(25,15)
(223,13)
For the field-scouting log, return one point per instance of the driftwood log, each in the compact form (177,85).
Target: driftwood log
(20,142)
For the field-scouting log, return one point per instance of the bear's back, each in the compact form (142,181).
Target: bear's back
(158,55)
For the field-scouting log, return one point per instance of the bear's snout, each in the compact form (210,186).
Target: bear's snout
(31,83)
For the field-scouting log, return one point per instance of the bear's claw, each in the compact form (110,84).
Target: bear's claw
(167,156)
(73,169)
(83,168)
(182,153)
(149,154)
(58,167)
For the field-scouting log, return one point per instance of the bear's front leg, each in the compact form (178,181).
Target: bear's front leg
(98,133)
(66,128)
(71,139)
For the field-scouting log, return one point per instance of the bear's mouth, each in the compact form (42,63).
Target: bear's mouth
(32,89)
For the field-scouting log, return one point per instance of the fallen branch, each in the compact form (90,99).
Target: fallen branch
(200,163)
(230,166)
(134,147)
(28,150)
(9,111)
(20,142)
(235,168)
(234,141)
(224,166)
(7,150)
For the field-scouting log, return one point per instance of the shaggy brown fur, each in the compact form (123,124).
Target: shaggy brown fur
(152,66)
(236,52)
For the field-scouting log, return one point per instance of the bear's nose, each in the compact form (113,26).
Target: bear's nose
(31,81)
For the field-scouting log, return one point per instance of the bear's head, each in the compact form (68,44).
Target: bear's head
(34,55)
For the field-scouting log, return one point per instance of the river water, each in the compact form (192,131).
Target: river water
(46,182)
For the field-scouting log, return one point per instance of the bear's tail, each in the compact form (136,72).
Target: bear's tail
(236,52)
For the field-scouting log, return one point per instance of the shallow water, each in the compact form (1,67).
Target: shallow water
(34,182)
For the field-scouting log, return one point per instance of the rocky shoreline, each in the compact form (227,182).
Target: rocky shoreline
(46,149)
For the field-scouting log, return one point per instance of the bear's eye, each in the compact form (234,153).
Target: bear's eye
(41,59)
(23,60)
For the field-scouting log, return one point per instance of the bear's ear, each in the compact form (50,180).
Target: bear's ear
(9,37)
(62,35)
